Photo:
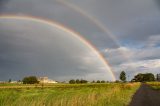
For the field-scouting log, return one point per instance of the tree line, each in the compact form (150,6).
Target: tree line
(140,77)
(77,81)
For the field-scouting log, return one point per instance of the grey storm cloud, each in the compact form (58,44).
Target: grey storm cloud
(134,24)
(61,13)
(128,20)
(33,48)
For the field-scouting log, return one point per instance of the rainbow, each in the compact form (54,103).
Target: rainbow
(91,18)
(64,28)
(99,24)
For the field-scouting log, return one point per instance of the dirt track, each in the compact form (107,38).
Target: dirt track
(146,96)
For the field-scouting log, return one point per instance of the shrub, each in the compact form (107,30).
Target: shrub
(102,81)
(30,80)
(72,81)
(98,81)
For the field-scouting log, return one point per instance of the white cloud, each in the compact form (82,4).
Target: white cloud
(118,56)
(140,60)
(147,64)
(133,68)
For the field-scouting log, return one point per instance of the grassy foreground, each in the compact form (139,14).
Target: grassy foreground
(110,94)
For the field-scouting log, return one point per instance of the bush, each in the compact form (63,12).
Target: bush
(102,81)
(30,80)
(72,81)
(98,81)
(117,81)
(83,81)
(77,81)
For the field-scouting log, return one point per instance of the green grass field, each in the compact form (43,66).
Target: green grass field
(108,94)
(154,85)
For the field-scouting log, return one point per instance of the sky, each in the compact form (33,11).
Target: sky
(125,32)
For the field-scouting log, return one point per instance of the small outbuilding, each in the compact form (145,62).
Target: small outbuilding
(46,80)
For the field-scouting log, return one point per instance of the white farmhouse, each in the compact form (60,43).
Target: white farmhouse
(46,80)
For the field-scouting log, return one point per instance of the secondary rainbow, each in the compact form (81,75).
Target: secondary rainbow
(64,28)
(99,24)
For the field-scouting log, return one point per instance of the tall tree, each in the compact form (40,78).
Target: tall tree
(158,77)
(122,76)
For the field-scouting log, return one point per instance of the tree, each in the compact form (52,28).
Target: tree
(9,80)
(158,77)
(93,81)
(117,81)
(98,81)
(102,81)
(72,81)
(83,81)
(30,80)
(122,76)
(77,81)
(143,77)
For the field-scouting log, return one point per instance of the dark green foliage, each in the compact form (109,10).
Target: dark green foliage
(83,81)
(72,81)
(102,81)
(122,76)
(117,81)
(9,80)
(98,81)
(77,81)
(158,77)
(30,80)
(143,77)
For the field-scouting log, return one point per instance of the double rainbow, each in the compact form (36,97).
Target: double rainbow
(64,28)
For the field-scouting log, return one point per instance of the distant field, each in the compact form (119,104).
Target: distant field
(108,94)
(154,85)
